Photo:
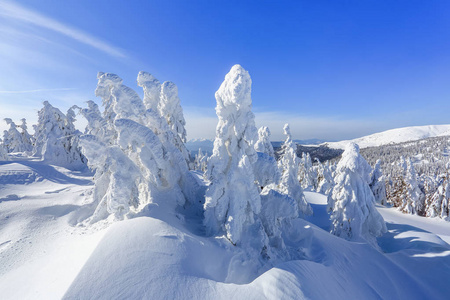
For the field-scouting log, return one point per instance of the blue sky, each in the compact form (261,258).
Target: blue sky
(333,69)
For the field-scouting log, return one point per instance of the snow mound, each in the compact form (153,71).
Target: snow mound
(394,136)
(15,173)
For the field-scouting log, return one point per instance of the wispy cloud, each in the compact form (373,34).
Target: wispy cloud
(36,91)
(17,12)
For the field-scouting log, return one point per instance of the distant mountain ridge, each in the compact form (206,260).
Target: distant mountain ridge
(394,136)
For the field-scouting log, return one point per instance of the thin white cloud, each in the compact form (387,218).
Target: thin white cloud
(17,12)
(36,91)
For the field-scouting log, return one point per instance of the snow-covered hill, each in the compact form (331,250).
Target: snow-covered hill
(160,255)
(398,135)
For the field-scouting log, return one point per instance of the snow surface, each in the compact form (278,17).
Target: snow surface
(161,255)
(393,136)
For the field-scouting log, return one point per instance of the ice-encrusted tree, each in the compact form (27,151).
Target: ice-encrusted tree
(378,184)
(439,205)
(163,100)
(56,139)
(27,139)
(200,161)
(414,200)
(12,139)
(3,151)
(351,203)
(325,180)
(141,140)
(288,165)
(232,201)
(263,143)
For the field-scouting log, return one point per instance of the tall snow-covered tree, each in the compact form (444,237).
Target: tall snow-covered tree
(378,184)
(200,161)
(289,167)
(56,139)
(351,203)
(163,100)
(232,201)
(263,143)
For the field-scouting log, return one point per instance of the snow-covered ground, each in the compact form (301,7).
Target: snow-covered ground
(393,136)
(45,255)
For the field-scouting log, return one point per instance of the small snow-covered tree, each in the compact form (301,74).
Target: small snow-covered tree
(263,143)
(439,205)
(12,138)
(27,139)
(57,139)
(200,161)
(378,184)
(232,201)
(289,168)
(3,152)
(414,200)
(351,203)
(325,180)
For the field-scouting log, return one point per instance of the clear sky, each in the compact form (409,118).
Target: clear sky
(333,69)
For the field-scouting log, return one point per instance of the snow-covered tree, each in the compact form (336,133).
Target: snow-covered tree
(378,184)
(27,139)
(414,200)
(351,203)
(163,100)
(12,138)
(232,201)
(3,152)
(56,139)
(325,180)
(263,143)
(289,168)
(200,161)
(439,205)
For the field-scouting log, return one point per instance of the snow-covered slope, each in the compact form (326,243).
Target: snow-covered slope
(161,255)
(398,135)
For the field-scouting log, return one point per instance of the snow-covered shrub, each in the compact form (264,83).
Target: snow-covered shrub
(288,165)
(56,139)
(378,184)
(232,201)
(351,203)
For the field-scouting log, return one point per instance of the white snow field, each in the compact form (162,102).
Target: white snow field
(159,254)
(394,136)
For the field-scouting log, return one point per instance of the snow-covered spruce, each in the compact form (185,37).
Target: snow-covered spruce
(163,100)
(263,143)
(142,141)
(200,161)
(414,200)
(378,184)
(351,203)
(306,173)
(288,165)
(3,152)
(13,139)
(439,203)
(56,139)
(325,180)
(232,201)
